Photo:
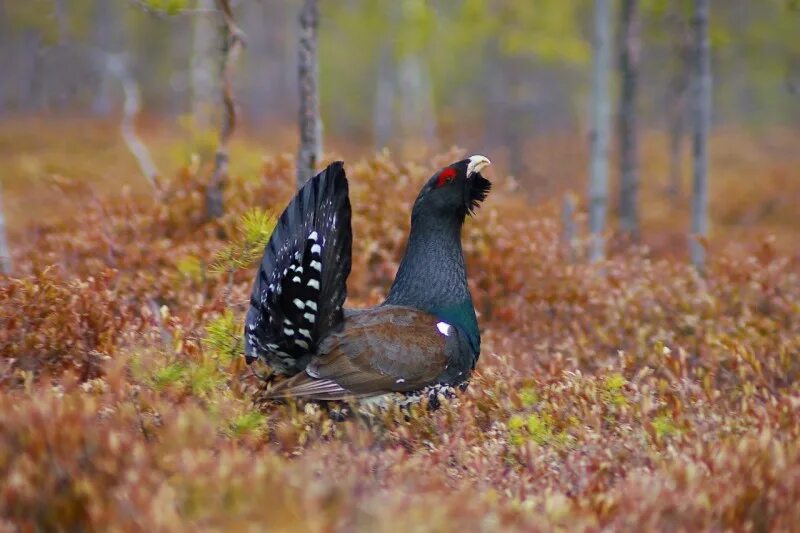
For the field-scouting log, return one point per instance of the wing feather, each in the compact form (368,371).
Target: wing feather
(381,350)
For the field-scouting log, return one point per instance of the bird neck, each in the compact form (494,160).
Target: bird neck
(432,276)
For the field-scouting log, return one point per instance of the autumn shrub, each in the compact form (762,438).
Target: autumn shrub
(54,323)
(618,395)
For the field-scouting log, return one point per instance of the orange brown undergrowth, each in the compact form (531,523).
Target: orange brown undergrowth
(634,394)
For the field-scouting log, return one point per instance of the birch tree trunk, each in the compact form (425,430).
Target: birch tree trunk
(5,253)
(308,153)
(5,57)
(677,96)
(383,113)
(599,135)
(417,117)
(105,28)
(203,65)
(628,141)
(701,112)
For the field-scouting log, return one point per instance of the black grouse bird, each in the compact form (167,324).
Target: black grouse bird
(424,335)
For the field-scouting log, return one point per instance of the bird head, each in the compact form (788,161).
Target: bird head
(457,189)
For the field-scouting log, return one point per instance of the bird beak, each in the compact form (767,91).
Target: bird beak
(476,164)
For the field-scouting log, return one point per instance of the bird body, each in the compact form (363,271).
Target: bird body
(425,333)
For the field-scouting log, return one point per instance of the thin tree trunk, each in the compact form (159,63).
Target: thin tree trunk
(677,130)
(677,97)
(5,57)
(416,94)
(5,253)
(496,96)
(234,42)
(628,141)
(62,20)
(308,154)
(32,87)
(203,65)
(701,99)
(383,113)
(599,136)
(105,27)
(568,225)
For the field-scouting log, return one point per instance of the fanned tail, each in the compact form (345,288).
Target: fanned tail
(301,287)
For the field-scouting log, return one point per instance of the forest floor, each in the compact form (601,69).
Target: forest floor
(634,394)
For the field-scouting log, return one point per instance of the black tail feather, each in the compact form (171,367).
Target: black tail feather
(301,286)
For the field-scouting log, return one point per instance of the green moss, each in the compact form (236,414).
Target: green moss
(613,390)
(665,427)
(537,428)
(205,378)
(528,397)
(169,375)
(191,268)
(247,423)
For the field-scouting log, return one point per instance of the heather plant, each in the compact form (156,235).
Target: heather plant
(621,395)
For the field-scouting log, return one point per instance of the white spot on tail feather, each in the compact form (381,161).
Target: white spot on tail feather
(301,343)
(299,303)
(316,249)
(304,332)
(316,265)
(309,317)
(313,236)
(311,304)
(296,279)
(314,284)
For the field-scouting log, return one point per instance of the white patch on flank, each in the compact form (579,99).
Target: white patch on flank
(316,265)
(299,303)
(251,327)
(313,236)
(316,249)
(476,163)
(309,317)
(314,284)
(444,328)
(311,305)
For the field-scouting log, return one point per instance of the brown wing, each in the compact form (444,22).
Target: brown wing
(380,350)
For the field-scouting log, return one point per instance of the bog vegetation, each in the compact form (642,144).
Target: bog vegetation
(630,394)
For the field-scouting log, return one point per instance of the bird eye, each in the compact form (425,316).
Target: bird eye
(445,176)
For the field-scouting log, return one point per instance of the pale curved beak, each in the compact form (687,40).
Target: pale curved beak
(476,164)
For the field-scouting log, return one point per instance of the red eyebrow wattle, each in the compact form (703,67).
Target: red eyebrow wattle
(445,176)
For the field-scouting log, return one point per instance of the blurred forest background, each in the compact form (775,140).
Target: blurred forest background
(619,387)
(508,78)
